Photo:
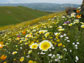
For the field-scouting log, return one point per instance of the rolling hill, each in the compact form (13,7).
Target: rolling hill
(12,15)
(50,7)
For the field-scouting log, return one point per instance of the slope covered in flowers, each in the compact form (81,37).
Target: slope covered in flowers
(55,39)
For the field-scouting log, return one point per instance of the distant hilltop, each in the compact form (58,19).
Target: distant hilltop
(13,15)
(50,7)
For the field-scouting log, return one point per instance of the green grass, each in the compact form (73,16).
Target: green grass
(13,15)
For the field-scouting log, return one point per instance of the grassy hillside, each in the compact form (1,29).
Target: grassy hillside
(50,39)
(12,15)
(31,22)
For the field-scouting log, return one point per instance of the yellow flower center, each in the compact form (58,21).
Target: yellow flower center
(45,45)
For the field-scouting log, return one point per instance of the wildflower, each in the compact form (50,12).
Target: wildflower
(30,61)
(28,35)
(78,43)
(67,22)
(64,24)
(57,60)
(61,36)
(30,51)
(64,34)
(63,45)
(57,34)
(76,46)
(73,43)
(78,11)
(70,50)
(65,49)
(73,14)
(17,38)
(82,23)
(82,26)
(58,40)
(70,24)
(3,57)
(60,44)
(77,58)
(42,53)
(5,62)
(15,52)
(1,45)
(42,31)
(60,30)
(21,59)
(24,32)
(34,46)
(60,27)
(76,21)
(68,40)
(78,16)
(26,43)
(49,54)
(63,17)
(45,45)
(47,34)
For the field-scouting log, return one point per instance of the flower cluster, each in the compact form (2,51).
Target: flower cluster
(56,39)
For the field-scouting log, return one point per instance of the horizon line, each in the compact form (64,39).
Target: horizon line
(38,2)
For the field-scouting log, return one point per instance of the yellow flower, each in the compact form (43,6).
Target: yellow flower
(70,24)
(63,45)
(34,46)
(42,31)
(15,52)
(82,26)
(26,43)
(58,40)
(30,61)
(57,34)
(47,34)
(45,45)
(17,38)
(5,62)
(60,27)
(21,59)
(28,35)
(60,44)
(64,24)
(31,43)
(60,30)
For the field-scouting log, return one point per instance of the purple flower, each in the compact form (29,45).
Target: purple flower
(18,36)
(67,22)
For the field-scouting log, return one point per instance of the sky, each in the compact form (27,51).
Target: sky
(42,1)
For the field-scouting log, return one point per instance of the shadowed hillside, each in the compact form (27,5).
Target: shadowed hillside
(12,15)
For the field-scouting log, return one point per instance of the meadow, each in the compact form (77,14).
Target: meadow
(17,14)
(56,38)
